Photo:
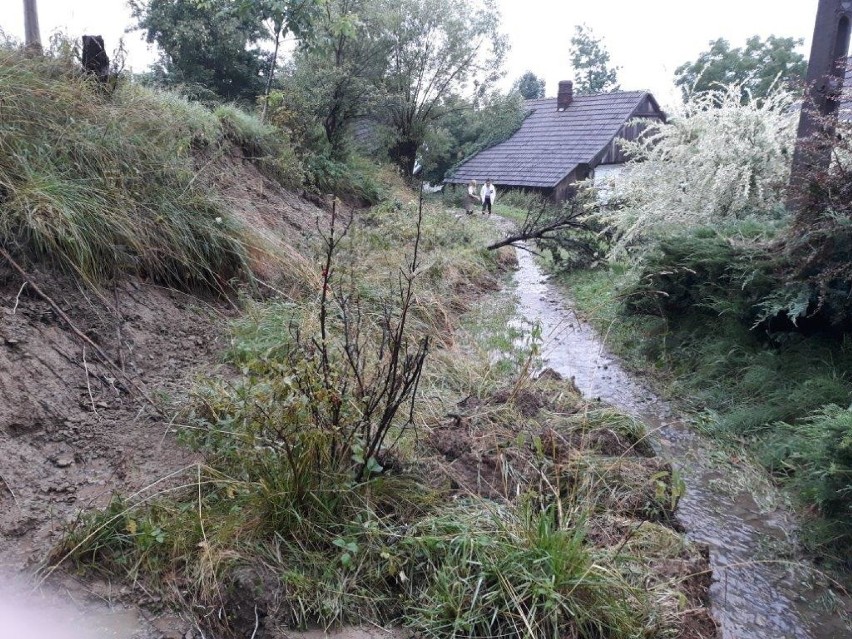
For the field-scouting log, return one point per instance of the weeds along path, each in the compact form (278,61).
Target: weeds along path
(761,588)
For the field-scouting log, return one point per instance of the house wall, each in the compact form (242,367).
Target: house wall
(630,131)
(567,187)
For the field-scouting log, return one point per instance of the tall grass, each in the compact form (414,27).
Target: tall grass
(100,179)
(277,520)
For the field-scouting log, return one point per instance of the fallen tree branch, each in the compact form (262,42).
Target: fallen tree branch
(537,227)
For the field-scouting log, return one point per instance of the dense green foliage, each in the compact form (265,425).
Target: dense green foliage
(206,45)
(755,68)
(282,17)
(590,63)
(393,75)
(328,86)
(530,86)
(440,48)
(766,376)
(467,129)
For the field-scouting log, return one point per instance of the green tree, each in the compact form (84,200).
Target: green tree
(207,43)
(337,79)
(591,63)
(530,86)
(467,128)
(281,17)
(755,68)
(439,49)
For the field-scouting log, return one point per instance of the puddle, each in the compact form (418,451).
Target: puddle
(27,614)
(758,592)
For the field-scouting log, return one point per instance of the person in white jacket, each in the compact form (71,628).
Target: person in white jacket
(488,195)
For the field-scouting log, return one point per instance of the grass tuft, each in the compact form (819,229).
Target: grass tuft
(100,181)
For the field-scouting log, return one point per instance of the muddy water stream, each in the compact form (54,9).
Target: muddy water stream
(757,593)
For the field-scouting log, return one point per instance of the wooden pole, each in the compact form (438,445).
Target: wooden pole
(32,37)
(824,85)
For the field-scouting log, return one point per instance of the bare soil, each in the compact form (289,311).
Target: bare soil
(76,430)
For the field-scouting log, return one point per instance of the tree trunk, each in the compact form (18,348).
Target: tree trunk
(32,37)
(404,154)
(824,82)
(271,73)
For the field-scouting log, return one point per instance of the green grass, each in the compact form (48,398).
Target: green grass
(778,398)
(102,180)
(274,516)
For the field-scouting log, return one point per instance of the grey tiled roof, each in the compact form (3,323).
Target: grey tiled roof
(550,143)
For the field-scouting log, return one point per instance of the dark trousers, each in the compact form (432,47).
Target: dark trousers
(486,204)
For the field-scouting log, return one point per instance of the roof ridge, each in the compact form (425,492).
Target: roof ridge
(594,95)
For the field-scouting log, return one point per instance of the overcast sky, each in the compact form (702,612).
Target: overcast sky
(647,39)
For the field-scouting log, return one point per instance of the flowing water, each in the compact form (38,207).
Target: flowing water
(759,590)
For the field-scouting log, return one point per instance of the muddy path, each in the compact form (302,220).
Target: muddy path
(761,588)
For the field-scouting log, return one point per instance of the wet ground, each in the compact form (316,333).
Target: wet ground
(761,589)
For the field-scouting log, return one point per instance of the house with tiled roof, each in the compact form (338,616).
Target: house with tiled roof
(563,140)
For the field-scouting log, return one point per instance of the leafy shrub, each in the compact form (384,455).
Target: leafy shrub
(523,199)
(466,129)
(815,455)
(702,271)
(353,181)
(819,243)
(718,159)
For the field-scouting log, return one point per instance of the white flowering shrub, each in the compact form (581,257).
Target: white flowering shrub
(716,160)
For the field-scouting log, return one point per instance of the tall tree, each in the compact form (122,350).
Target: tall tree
(530,86)
(282,17)
(469,127)
(206,42)
(756,67)
(336,80)
(591,63)
(439,49)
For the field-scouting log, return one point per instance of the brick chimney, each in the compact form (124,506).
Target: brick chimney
(565,95)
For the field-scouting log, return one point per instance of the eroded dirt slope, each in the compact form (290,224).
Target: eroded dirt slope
(74,430)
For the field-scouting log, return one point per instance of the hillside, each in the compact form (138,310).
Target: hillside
(129,210)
